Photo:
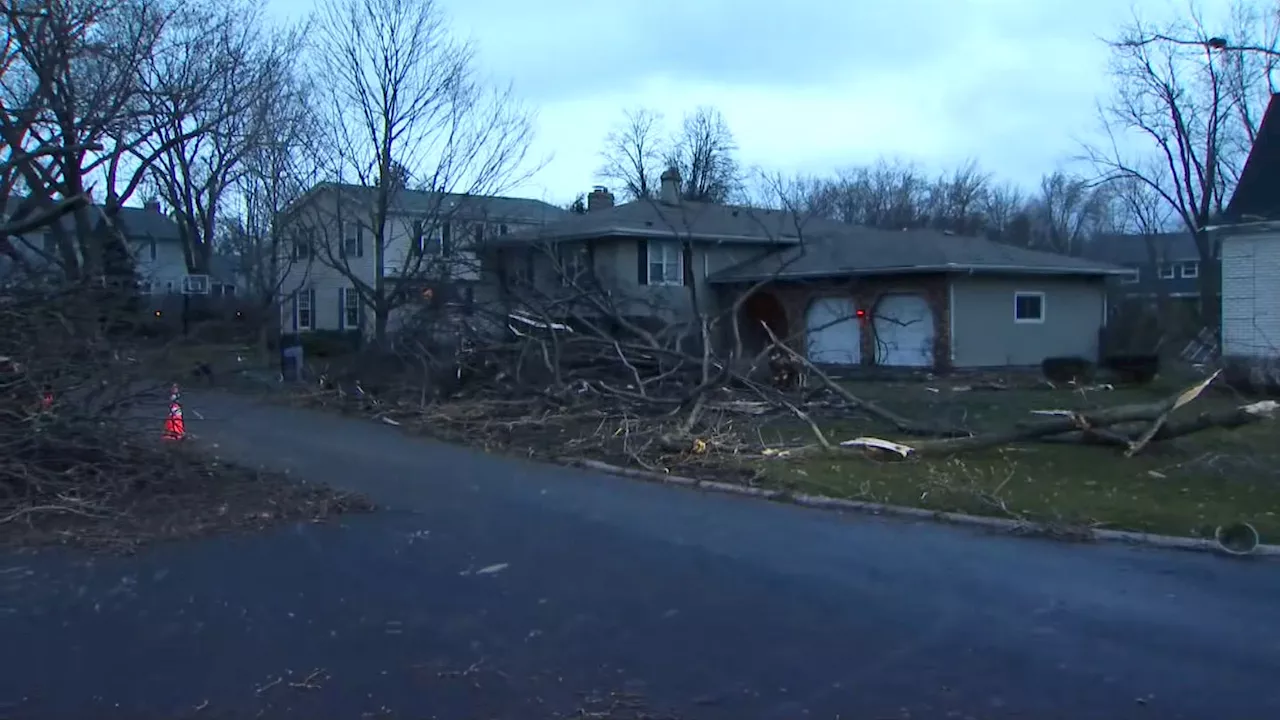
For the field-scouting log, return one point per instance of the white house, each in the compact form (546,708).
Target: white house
(1250,251)
(430,236)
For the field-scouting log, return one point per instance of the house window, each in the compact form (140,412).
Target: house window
(302,314)
(301,249)
(1131,276)
(1028,307)
(195,285)
(1166,271)
(1191,270)
(502,229)
(478,233)
(573,263)
(349,302)
(353,242)
(228,290)
(666,263)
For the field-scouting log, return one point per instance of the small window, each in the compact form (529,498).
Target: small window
(1166,271)
(1190,270)
(502,229)
(228,290)
(353,242)
(302,305)
(301,249)
(666,263)
(349,298)
(1028,307)
(478,233)
(1131,276)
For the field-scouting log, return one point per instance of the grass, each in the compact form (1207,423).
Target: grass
(1186,486)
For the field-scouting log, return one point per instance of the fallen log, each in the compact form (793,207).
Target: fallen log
(1092,426)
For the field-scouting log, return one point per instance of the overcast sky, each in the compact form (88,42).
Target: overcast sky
(806,85)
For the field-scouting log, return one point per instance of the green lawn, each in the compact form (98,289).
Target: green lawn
(1185,486)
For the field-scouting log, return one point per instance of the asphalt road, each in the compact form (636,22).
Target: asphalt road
(497,588)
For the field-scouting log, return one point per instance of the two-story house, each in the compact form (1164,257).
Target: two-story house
(431,251)
(153,240)
(1161,287)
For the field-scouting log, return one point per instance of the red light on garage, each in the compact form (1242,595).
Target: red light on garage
(860,313)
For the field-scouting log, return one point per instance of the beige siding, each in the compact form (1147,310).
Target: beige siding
(1251,295)
(984,333)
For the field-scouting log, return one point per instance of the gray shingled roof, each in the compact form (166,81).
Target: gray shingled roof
(1132,249)
(850,250)
(419,202)
(688,220)
(136,223)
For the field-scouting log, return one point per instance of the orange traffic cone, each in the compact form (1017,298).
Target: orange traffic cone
(174,427)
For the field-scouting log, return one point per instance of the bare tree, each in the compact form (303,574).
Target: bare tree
(704,153)
(633,154)
(247,69)
(955,202)
(1067,211)
(1189,105)
(405,100)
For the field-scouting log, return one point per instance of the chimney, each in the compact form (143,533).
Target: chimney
(670,193)
(599,199)
(152,206)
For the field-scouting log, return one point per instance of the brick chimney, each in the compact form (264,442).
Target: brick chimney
(670,192)
(152,206)
(599,199)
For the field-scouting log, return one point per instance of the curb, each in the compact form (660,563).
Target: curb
(824,502)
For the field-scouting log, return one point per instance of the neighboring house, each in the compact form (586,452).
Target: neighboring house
(849,295)
(153,239)
(433,242)
(1249,237)
(1164,265)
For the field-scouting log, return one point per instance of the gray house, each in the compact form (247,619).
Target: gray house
(1166,265)
(847,295)
(153,239)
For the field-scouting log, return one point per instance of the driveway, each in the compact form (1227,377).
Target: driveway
(497,588)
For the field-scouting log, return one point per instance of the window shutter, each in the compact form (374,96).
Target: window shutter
(359,241)
(295,310)
(687,261)
(642,267)
(446,238)
(342,307)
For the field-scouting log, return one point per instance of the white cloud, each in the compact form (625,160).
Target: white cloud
(809,85)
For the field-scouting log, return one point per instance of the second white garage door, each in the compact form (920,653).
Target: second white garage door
(904,331)
(834,337)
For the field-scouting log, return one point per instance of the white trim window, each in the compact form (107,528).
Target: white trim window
(1190,270)
(195,285)
(1028,307)
(1131,276)
(304,302)
(1167,271)
(349,319)
(666,263)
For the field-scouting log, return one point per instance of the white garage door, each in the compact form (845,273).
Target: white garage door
(904,331)
(833,332)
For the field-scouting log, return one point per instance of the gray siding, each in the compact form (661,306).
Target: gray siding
(616,265)
(984,333)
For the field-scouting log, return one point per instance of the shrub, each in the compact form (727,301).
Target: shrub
(1066,369)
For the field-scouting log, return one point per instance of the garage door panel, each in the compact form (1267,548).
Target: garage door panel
(904,331)
(833,334)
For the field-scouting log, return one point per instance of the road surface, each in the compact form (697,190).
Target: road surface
(499,588)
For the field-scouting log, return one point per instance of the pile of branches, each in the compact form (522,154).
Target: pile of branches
(565,388)
(81,459)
